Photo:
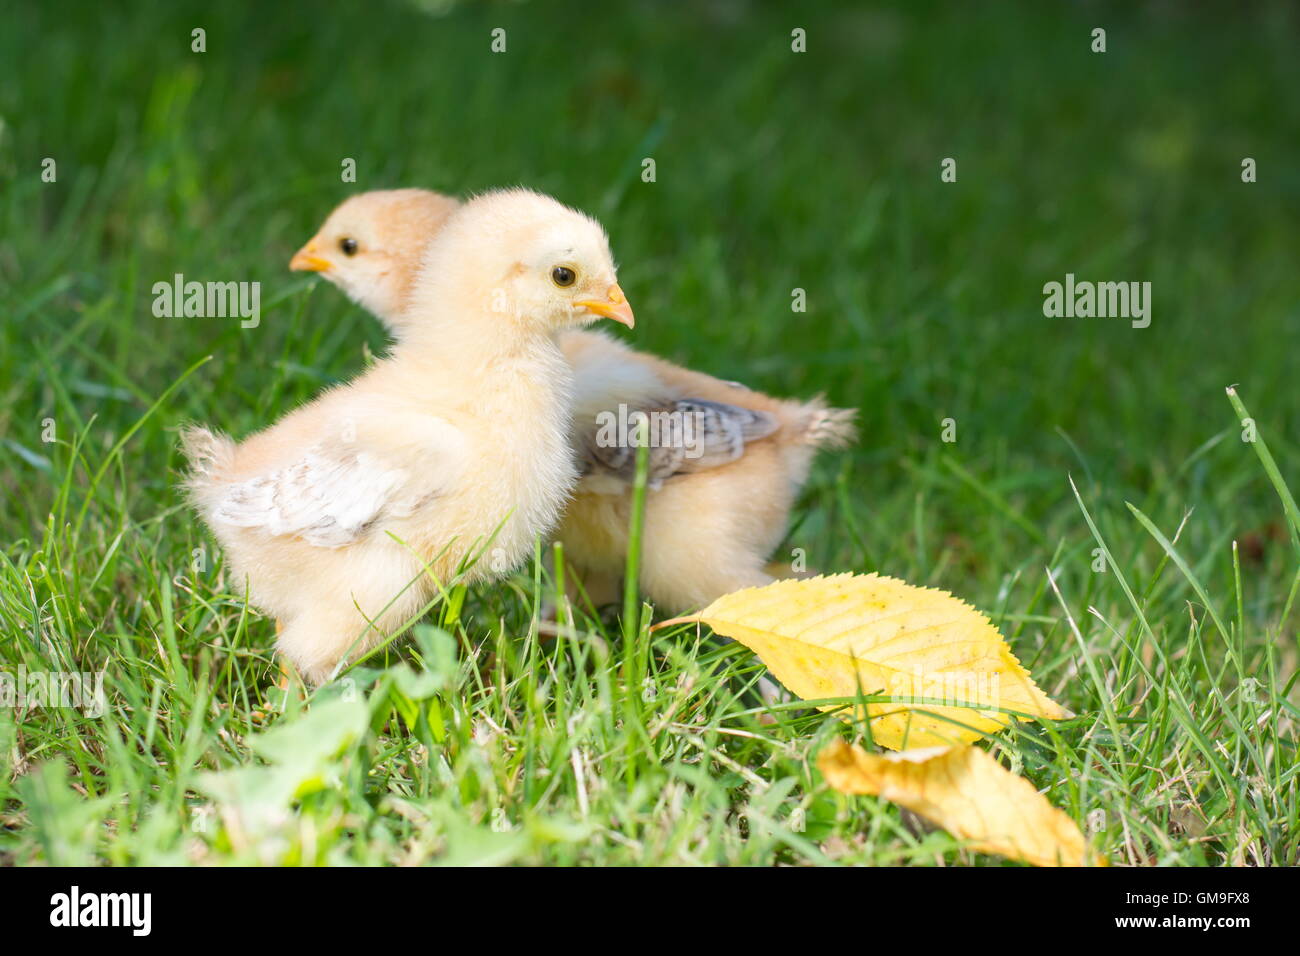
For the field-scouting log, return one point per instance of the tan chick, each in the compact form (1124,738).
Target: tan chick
(346,515)
(713,518)
(371,244)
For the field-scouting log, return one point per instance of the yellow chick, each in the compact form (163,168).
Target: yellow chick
(345,515)
(712,518)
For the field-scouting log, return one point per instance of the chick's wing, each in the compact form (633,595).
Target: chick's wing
(330,497)
(687,435)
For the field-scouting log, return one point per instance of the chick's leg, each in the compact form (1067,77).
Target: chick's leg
(282,682)
(351,604)
(602,587)
(583,586)
(316,641)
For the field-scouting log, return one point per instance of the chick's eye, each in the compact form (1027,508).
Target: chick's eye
(349,246)
(563,276)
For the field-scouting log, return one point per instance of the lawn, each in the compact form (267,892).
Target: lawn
(1088,452)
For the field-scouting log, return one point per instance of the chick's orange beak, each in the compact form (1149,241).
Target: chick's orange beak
(306,260)
(613,306)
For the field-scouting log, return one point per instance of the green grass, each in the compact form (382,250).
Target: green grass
(480,739)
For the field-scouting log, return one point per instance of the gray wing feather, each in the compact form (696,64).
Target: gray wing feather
(686,436)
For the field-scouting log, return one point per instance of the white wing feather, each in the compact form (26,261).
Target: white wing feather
(328,499)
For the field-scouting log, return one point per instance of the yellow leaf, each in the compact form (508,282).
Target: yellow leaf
(969,794)
(945,666)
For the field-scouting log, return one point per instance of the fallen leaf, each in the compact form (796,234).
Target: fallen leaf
(969,794)
(945,666)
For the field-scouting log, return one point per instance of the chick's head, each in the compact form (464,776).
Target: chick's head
(370,246)
(526,260)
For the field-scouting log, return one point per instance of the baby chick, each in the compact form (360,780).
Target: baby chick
(717,507)
(347,514)
(370,246)
(712,518)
